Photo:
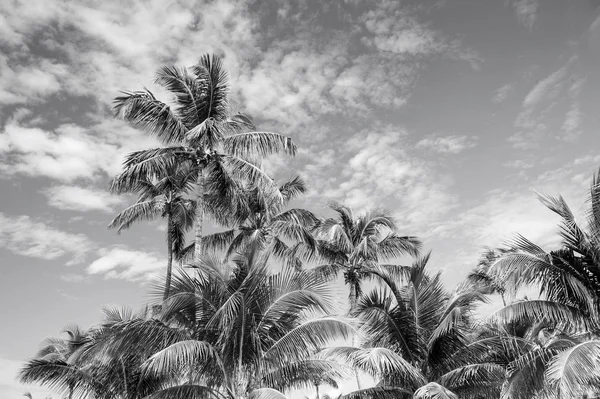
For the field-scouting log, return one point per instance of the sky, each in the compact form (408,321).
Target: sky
(447,113)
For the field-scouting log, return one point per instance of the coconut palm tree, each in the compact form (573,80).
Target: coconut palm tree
(354,245)
(267,225)
(202,132)
(54,364)
(568,279)
(165,196)
(232,331)
(420,339)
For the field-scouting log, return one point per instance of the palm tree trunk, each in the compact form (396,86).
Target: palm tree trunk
(317,386)
(169,257)
(353,299)
(199,218)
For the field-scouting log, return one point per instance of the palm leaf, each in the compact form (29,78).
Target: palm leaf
(576,369)
(143,110)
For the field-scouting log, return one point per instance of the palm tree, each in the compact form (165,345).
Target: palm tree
(54,364)
(267,225)
(355,245)
(202,132)
(569,282)
(164,196)
(232,332)
(420,340)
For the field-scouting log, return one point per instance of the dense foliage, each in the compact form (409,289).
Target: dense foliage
(256,313)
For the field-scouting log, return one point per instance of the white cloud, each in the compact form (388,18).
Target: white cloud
(502,93)
(527,11)
(548,88)
(122,263)
(447,144)
(81,199)
(518,164)
(27,237)
(70,152)
(380,171)
(571,126)
(73,278)
(539,104)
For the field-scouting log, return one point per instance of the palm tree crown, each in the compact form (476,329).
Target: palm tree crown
(202,132)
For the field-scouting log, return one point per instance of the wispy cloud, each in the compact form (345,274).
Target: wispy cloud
(381,171)
(447,144)
(502,93)
(532,121)
(25,236)
(518,164)
(81,199)
(69,152)
(571,125)
(527,11)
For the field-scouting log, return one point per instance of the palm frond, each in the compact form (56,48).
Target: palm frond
(146,210)
(292,189)
(188,93)
(539,310)
(434,390)
(309,337)
(381,363)
(379,392)
(188,391)
(143,110)
(576,369)
(258,144)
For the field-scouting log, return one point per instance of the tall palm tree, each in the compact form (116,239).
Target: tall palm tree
(420,339)
(201,131)
(54,364)
(166,196)
(354,245)
(267,225)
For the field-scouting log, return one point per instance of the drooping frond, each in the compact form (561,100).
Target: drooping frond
(478,378)
(539,310)
(145,210)
(258,144)
(434,390)
(381,363)
(182,355)
(305,374)
(379,392)
(293,189)
(188,391)
(55,375)
(394,246)
(309,337)
(266,393)
(576,370)
(143,110)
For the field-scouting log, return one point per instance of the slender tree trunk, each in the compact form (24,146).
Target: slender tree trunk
(169,256)
(318,396)
(199,218)
(353,299)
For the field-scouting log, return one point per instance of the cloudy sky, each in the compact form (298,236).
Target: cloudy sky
(447,113)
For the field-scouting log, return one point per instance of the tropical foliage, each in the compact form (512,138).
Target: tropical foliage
(256,311)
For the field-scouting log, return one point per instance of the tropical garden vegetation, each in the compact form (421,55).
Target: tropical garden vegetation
(252,311)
